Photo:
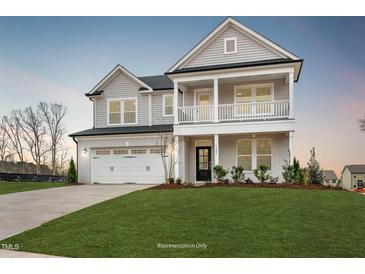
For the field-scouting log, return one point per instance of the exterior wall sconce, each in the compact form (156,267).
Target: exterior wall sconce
(84,150)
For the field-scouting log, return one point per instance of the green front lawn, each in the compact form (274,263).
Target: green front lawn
(10,187)
(233,222)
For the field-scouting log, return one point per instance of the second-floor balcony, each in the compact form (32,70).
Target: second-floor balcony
(234,112)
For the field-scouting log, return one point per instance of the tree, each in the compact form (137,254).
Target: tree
(52,115)
(4,145)
(14,132)
(362,124)
(314,169)
(72,173)
(167,143)
(34,133)
(62,160)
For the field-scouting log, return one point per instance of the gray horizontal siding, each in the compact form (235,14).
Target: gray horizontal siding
(226,91)
(247,50)
(120,87)
(157,111)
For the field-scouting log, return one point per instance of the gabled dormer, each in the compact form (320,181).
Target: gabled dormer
(233,45)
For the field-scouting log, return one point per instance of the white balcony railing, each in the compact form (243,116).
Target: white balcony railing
(195,114)
(235,112)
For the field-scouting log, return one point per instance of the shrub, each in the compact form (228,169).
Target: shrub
(237,174)
(72,174)
(171,180)
(262,173)
(219,173)
(314,169)
(178,181)
(293,173)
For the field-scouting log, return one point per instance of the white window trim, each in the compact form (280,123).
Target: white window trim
(199,91)
(253,88)
(254,152)
(235,45)
(122,111)
(272,157)
(164,105)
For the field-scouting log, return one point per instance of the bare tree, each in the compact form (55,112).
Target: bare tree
(30,121)
(53,115)
(63,159)
(4,145)
(14,132)
(362,124)
(166,144)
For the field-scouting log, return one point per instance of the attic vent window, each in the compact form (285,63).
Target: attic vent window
(230,45)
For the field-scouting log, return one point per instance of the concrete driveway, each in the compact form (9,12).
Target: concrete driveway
(25,210)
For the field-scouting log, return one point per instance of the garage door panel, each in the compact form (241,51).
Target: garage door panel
(139,168)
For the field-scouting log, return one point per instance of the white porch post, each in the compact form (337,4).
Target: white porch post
(177,157)
(176,97)
(291,95)
(291,153)
(216,149)
(215,97)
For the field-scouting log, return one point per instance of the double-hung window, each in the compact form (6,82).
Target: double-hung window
(253,99)
(251,153)
(263,152)
(168,102)
(122,111)
(244,154)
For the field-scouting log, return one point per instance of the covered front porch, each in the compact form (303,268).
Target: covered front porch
(198,154)
(265,94)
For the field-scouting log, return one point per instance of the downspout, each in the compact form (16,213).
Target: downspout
(77,155)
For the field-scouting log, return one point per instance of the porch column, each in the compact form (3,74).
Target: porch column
(291,153)
(215,97)
(177,157)
(176,96)
(291,95)
(216,149)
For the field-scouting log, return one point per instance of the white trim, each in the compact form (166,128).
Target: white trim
(122,111)
(253,88)
(230,21)
(149,110)
(117,137)
(272,152)
(253,146)
(254,152)
(237,127)
(235,45)
(198,92)
(112,74)
(164,105)
(234,73)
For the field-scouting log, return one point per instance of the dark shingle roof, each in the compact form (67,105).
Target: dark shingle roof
(330,175)
(356,168)
(236,65)
(123,130)
(157,82)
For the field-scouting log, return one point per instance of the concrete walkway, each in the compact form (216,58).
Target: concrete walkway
(21,254)
(25,210)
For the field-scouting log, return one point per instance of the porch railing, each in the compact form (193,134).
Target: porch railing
(235,112)
(194,114)
(254,110)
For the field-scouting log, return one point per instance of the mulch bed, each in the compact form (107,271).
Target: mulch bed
(245,185)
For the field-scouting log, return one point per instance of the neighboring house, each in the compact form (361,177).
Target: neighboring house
(353,177)
(229,101)
(330,178)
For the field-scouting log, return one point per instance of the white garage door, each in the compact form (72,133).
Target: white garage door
(141,165)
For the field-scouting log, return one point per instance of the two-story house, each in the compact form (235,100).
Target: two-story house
(229,101)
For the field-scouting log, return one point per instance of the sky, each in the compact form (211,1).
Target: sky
(58,59)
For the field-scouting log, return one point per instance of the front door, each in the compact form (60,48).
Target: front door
(204,110)
(203,164)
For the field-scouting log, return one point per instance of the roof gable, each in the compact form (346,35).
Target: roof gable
(111,75)
(251,46)
(355,168)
